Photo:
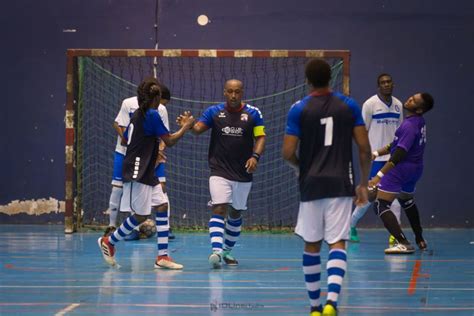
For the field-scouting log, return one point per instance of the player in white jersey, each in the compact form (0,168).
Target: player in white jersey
(122,120)
(383,114)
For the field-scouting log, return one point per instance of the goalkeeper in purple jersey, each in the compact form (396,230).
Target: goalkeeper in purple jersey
(398,177)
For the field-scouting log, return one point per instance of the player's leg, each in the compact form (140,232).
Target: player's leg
(116,194)
(221,197)
(310,228)
(396,210)
(360,210)
(233,223)
(136,199)
(159,203)
(407,200)
(388,189)
(337,221)
(160,172)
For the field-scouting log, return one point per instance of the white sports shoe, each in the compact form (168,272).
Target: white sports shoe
(215,260)
(165,262)
(400,249)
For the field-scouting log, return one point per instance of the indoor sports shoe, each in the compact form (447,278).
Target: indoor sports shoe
(422,244)
(391,241)
(400,249)
(109,231)
(316,311)
(166,262)
(329,310)
(229,259)
(354,236)
(215,260)
(107,249)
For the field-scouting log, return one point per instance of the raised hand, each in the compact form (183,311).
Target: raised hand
(185,120)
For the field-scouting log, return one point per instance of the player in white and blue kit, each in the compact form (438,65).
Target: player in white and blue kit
(382,114)
(122,120)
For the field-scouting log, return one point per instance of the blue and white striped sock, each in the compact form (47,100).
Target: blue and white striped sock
(336,267)
(162,231)
(312,277)
(126,228)
(232,232)
(216,232)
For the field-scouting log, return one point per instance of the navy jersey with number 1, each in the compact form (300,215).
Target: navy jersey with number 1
(324,124)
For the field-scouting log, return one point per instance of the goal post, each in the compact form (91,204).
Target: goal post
(97,80)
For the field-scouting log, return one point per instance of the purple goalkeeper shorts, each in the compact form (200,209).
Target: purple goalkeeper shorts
(402,178)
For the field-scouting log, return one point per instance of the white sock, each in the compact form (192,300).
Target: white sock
(114,204)
(358,213)
(397,210)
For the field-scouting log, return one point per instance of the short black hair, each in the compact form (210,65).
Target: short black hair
(382,75)
(165,92)
(147,91)
(318,73)
(428,101)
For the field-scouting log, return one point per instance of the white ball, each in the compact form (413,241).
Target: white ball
(202,20)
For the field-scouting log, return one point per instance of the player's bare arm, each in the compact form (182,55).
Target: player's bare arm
(362,140)
(258,148)
(381,152)
(186,122)
(197,128)
(120,131)
(290,145)
(397,156)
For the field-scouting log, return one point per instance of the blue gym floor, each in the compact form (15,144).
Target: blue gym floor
(44,272)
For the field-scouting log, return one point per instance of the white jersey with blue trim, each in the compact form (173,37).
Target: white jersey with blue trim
(382,120)
(127,109)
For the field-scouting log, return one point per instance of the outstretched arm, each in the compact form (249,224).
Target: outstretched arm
(187,121)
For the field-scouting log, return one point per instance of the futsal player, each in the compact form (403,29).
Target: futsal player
(382,114)
(398,177)
(237,143)
(139,163)
(320,128)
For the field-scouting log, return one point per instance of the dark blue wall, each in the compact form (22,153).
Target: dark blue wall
(426,45)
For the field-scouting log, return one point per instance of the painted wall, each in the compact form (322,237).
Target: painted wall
(426,45)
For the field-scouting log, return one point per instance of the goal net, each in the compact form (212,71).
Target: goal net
(98,81)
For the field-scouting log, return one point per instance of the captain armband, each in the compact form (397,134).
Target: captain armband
(259,131)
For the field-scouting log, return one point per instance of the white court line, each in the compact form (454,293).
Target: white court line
(214,287)
(67,309)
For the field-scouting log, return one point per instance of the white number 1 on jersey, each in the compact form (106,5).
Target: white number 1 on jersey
(329,126)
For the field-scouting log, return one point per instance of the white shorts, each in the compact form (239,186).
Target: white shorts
(158,197)
(136,198)
(327,219)
(225,191)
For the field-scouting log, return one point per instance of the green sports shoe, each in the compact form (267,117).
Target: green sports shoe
(392,241)
(354,236)
(229,259)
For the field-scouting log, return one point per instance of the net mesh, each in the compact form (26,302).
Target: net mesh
(271,84)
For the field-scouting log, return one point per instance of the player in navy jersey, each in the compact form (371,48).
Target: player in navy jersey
(398,177)
(323,125)
(237,142)
(143,134)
